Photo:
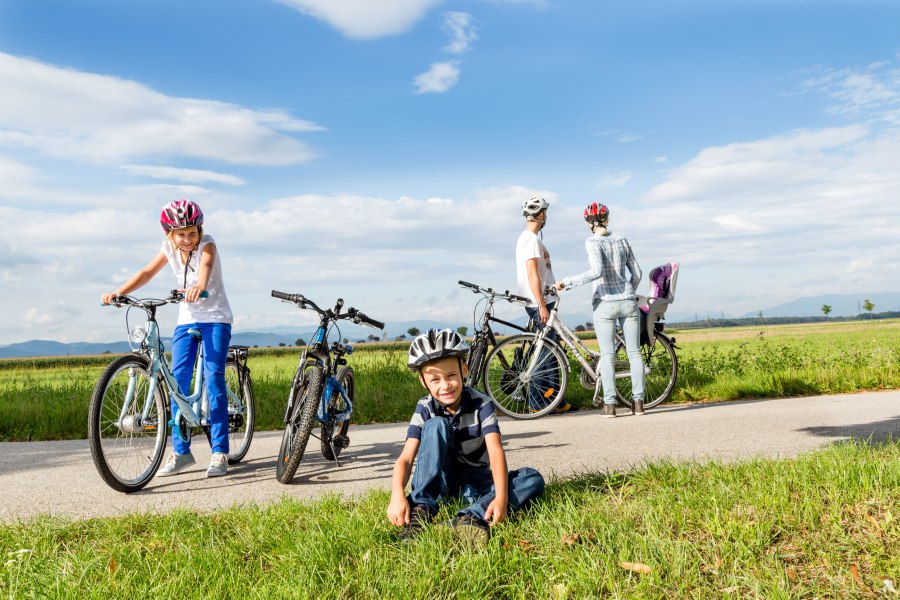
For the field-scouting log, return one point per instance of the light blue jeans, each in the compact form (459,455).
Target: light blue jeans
(438,476)
(607,315)
(216,338)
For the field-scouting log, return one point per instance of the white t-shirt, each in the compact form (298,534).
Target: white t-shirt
(530,246)
(215,308)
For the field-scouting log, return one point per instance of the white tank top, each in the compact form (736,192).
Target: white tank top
(215,308)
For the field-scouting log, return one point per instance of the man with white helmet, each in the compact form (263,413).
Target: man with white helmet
(534,275)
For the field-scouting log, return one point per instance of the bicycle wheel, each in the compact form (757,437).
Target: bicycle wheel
(518,393)
(660,372)
(241,412)
(296,431)
(126,447)
(335,434)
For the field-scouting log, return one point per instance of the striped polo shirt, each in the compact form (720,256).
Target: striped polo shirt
(474,419)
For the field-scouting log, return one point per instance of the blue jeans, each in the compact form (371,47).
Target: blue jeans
(438,476)
(547,363)
(606,316)
(216,338)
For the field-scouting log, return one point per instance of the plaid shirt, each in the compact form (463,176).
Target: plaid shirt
(609,256)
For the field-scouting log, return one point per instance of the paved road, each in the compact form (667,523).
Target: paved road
(59,478)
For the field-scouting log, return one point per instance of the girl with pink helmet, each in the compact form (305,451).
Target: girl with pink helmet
(194,260)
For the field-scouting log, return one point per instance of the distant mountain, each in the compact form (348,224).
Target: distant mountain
(842,305)
(271,337)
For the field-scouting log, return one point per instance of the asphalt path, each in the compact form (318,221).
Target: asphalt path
(59,478)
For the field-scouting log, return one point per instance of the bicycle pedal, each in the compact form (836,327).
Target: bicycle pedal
(340,441)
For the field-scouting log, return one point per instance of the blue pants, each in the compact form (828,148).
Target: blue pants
(606,316)
(439,476)
(216,338)
(547,365)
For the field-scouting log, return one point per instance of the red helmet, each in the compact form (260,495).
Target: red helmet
(596,213)
(179,214)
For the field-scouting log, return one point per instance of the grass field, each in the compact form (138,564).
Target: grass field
(48,398)
(826,525)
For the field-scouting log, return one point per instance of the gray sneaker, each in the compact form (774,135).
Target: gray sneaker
(608,411)
(218,465)
(470,530)
(176,463)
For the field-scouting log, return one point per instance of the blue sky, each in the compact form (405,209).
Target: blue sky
(380,151)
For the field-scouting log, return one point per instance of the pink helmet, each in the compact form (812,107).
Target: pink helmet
(179,214)
(596,213)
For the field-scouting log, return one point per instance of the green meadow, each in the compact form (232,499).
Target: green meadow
(47,398)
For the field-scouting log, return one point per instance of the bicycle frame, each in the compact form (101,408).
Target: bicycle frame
(318,353)
(568,341)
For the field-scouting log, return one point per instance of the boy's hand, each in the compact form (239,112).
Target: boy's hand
(495,513)
(398,511)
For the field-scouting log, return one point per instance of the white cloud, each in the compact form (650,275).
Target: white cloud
(462,34)
(85,116)
(365,19)
(875,88)
(438,79)
(184,175)
(613,179)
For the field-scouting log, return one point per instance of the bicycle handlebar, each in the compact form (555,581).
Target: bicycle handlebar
(351,314)
(491,292)
(174,297)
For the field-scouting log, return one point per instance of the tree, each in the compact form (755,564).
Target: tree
(413,331)
(282,344)
(345,341)
(373,337)
(580,328)
(826,309)
(868,306)
(462,330)
(299,342)
(400,338)
(589,326)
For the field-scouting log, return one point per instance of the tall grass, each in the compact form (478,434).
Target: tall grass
(826,525)
(48,398)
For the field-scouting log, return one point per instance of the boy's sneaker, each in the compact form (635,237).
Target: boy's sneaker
(176,463)
(471,530)
(218,465)
(564,407)
(637,408)
(419,516)
(608,411)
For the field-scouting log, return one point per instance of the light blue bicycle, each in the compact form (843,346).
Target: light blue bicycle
(129,414)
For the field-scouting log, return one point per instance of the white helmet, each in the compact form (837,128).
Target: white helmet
(435,344)
(533,206)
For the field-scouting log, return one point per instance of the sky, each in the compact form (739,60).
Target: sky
(380,151)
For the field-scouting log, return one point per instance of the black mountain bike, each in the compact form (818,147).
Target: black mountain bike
(485,339)
(322,390)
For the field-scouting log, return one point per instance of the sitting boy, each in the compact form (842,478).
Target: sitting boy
(456,429)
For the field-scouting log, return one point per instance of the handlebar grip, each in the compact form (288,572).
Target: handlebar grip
(288,297)
(467,284)
(369,321)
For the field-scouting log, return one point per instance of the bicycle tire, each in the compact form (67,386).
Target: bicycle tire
(126,460)
(510,394)
(475,364)
(660,372)
(336,404)
(241,414)
(297,430)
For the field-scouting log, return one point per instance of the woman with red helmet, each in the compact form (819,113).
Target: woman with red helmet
(616,274)
(194,260)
